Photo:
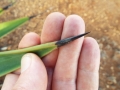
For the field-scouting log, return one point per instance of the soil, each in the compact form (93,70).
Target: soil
(102,18)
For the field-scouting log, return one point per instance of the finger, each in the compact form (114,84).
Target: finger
(66,66)
(52,31)
(9,81)
(88,67)
(33,74)
(28,40)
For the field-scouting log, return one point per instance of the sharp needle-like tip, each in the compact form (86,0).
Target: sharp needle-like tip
(6,7)
(67,40)
(31,17)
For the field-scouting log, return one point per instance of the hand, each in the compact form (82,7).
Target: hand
(74,66)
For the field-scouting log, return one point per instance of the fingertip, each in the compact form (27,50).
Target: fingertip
(90,41)
(34,74)
(54,14)
(75,18)
(26,62)
(90,55)
(52,27)
(73,26)
(92,45)
(31,62)
(29,39)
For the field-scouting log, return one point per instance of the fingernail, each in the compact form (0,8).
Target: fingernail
(25,63)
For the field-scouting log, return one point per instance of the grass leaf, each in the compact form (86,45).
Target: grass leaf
(1,10)
(11,60)
(9,26)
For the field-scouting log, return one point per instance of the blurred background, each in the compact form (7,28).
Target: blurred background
(102,19)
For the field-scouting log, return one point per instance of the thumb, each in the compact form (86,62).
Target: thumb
(33,74)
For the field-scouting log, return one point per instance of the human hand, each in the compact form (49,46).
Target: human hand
(74,66)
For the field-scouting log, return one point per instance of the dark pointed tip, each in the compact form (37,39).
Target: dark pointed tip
(67,40)
(6,7)
(31,17)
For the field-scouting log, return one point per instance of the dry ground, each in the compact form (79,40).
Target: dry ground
(102,18)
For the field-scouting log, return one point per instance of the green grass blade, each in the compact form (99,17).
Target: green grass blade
(1,10)
(6,7)
(10,60)
(9,26)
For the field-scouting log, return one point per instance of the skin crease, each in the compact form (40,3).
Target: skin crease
(74,66)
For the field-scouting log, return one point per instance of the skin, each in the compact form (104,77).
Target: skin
(74,66)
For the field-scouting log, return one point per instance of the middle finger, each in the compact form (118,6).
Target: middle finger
(66,67)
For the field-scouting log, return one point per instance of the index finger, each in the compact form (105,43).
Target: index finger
(52,31)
